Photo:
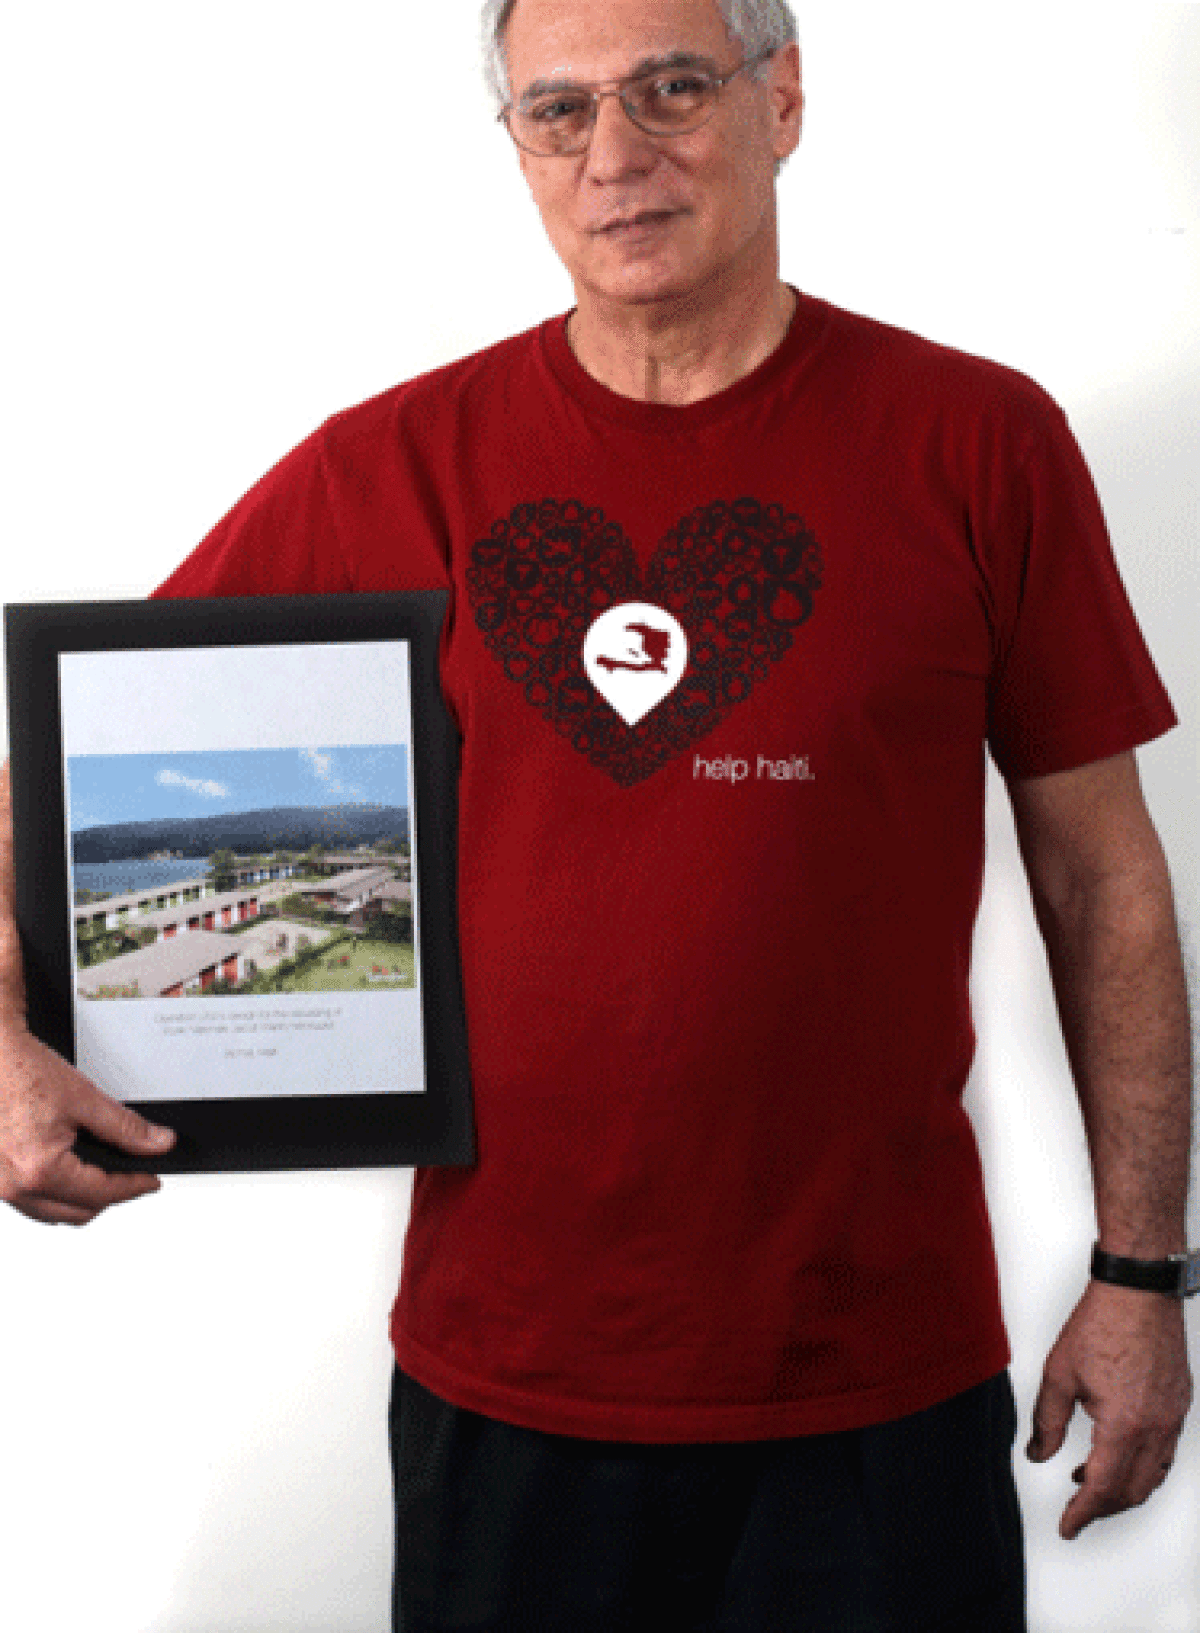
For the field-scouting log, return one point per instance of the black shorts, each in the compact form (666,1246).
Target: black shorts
(911,1526)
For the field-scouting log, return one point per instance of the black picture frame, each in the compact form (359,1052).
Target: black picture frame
(276,1130)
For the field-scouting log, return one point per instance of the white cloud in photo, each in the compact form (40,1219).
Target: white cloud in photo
(195,785)
(323,769)
(321,765)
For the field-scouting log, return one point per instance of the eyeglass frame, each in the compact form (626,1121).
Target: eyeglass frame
(619,88)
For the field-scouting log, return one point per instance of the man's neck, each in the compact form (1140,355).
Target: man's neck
(676,353)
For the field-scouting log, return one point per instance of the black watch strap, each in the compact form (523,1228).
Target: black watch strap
(1178,1275)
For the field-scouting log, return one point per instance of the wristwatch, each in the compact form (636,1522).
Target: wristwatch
(1177,1275)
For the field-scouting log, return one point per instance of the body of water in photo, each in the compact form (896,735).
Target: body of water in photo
(120,878)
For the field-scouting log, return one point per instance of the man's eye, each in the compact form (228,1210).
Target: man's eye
(674,95)
(680,85)
(555,108)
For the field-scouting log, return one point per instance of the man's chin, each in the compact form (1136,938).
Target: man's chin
(643,285)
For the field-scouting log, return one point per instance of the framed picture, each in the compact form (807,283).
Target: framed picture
(235,846)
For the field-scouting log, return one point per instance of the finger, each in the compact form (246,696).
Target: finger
(51,1101)
(1051,1416)
(1150,1468)
(74,1192)
(51,1210)
(56,1178)
(1087,1506)
(120,1125)
(1115,1478)
(1103,1475)
(56,1213)
(53,1213)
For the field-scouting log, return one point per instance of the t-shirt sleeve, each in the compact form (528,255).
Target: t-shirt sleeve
(1073,680)
(281,538)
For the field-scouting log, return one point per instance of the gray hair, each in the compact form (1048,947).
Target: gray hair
(760,25)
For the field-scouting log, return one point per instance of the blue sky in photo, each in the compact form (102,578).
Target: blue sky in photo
(105,788)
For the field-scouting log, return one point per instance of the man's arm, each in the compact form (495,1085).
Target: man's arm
(44,1101)
(1102,896)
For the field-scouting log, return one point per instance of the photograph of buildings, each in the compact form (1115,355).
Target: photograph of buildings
(250,872)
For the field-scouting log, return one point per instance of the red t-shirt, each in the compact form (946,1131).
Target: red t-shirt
(721,854)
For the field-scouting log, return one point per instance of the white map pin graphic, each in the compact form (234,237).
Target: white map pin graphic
(634,655)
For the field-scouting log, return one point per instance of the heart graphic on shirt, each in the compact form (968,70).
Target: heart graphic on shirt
(735,580)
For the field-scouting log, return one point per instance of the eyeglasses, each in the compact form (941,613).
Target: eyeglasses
(668,102)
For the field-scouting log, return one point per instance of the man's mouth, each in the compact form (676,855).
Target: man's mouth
(640,219)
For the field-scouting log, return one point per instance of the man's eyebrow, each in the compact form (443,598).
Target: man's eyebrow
(647,65)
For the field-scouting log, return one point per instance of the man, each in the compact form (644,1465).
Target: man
(742,586)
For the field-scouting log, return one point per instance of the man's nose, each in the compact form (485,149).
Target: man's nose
(617,145)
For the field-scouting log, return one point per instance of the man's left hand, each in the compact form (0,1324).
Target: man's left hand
(1123,1356)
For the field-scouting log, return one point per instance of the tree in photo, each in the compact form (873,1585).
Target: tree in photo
(221,865)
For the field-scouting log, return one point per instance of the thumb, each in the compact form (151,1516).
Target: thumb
(1051,1414)
(120,1125)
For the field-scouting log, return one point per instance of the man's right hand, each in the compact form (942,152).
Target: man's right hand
(44,1102)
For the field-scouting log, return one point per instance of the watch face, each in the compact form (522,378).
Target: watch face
(1190,1276)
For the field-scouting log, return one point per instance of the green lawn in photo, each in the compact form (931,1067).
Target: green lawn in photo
(365,958)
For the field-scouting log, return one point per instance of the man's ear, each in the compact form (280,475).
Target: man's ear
(787,99)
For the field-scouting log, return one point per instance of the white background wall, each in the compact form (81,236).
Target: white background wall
(222,223)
